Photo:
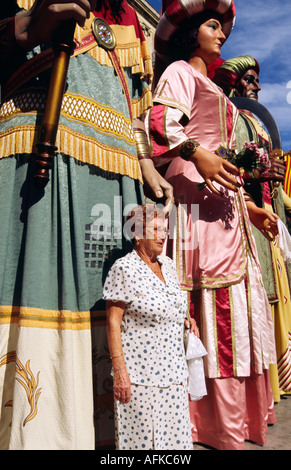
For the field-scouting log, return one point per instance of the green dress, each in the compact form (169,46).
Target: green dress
(275,272)
(55,243)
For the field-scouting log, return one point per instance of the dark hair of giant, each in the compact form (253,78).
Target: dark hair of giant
(184,40)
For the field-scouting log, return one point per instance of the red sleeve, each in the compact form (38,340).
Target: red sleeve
(158,138)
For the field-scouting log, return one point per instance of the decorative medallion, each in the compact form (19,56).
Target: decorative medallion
(103,34)
(225,153)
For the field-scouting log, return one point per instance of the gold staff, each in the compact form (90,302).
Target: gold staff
(63,48)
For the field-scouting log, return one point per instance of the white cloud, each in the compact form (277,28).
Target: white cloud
(274,93)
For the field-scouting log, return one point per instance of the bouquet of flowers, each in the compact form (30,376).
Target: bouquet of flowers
(252,160)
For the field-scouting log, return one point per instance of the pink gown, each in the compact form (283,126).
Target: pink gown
(215,254)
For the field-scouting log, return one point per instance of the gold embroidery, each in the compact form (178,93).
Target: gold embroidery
(232,319)
(169,101)
(213,293)
(79,146)
(75,107)
(28,382)
(250,318)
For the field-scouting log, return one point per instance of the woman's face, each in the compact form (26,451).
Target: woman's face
(154,237)
(210,39)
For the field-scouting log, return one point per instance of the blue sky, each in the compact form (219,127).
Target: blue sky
(262,29)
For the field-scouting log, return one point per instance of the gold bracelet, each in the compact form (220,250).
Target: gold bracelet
(114,357)
(188,148)
(142,145)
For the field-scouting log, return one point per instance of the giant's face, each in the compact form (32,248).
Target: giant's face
(248,86)
(210,39)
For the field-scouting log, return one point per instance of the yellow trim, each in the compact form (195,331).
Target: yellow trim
(222,113)
(234,362)
(41,318)
(141,104)
(92,113)
(250,316)
(75,107)
(130,50)
(169,101)
(83,148)
(213,292)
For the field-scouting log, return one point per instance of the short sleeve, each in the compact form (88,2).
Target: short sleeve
(176,88)
(119,283)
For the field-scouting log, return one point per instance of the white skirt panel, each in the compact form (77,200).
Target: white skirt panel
(154,419)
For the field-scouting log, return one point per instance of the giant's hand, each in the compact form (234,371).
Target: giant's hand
(276,172)
(263,220)
(156,186)
(214,168)
(38,24)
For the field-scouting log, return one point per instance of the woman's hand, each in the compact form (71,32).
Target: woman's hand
(122,386)
(263,220)
(38,24)
(193,326)
(121,382)
(214,168)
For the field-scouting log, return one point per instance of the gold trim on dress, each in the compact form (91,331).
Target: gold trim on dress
(213,293)
(82,148)
(232,319)
(41,318)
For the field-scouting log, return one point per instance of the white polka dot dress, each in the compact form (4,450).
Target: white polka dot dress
(157,416)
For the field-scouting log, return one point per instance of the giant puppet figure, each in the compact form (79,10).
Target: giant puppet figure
(239,77)
(192,123)
(56,234)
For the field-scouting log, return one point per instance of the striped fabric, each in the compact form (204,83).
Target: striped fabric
(287,181)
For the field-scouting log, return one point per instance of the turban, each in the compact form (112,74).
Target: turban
(228,74)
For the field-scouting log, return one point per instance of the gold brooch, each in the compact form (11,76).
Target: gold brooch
(103,34)
(224,152)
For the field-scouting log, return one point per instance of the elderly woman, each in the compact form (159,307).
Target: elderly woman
(145,320)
